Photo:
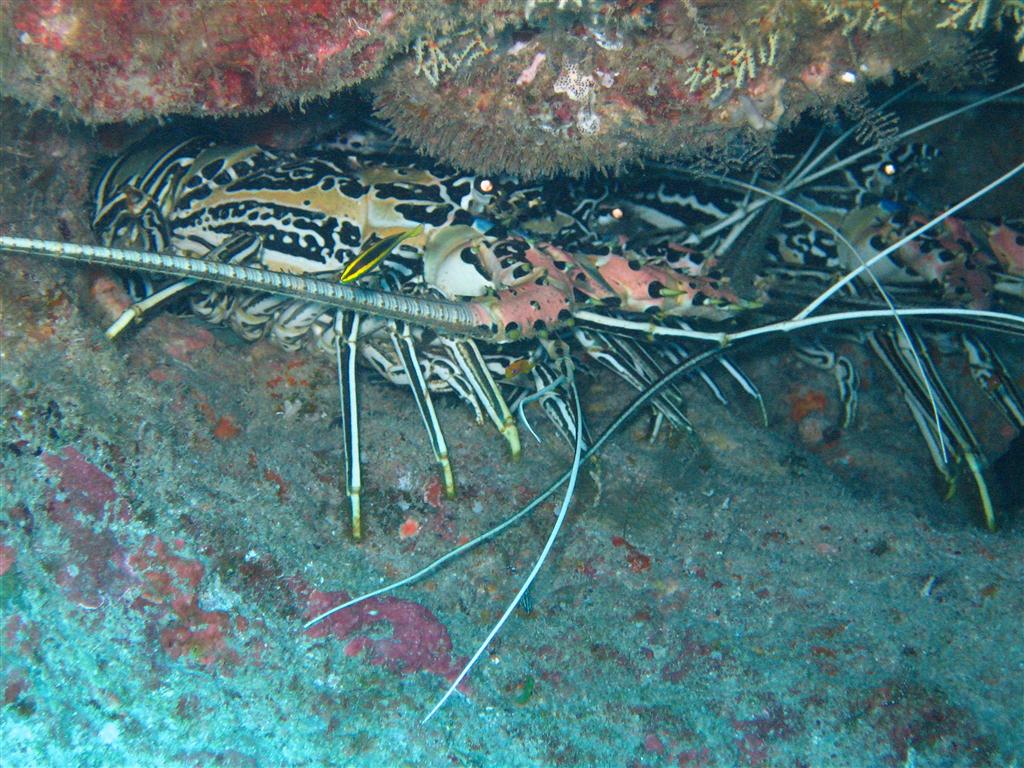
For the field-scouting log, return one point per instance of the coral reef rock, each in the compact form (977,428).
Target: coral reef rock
(534,87)
(131,59)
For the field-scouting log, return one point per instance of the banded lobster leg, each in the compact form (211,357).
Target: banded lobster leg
(676,353)
(950,435)
(407,369)
(290,329)
(990,374)
(986,368)
(947,436)
(345,358)
(448,374)
(554,404)
(640,364)
(405,348)
(250,314)
(443,365)
(347,345)
(467,354)
(816,354)
(538,376)
(629,361)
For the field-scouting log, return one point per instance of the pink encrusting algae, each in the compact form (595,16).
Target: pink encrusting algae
(128,59)
(417,641)
(85,505)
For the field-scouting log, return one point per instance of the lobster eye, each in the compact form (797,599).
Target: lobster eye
(486,185)
(889,169)
(617,213)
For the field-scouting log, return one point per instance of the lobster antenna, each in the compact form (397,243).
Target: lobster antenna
(805,177)
(606,435)
(841,238)
(435,313)
(803,318)
(573,476)
(803,170)
(1002,321)
(827,294)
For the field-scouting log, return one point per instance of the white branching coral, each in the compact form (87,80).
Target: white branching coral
(438,57)
(744,56)
(976,13)
(859,15)
(737,64)
(702,73)
(969,15)
(977,10)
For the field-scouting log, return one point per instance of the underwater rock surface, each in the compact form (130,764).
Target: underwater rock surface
(170,514)
(531,87)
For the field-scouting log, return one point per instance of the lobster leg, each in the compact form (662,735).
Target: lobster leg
(291,325)
(992,377)
(555,405)
(406,350)
(447,376)
(623,357)
(746,384)
(848,381)
(473,365)
(816,354)
(249,316)
(345,355)
(139,308)
(954,436)
(672,406)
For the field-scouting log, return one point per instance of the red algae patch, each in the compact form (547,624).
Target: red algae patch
(418,641)
(84,503)
(170,600)
(408,529)
(226,429)
(8,555)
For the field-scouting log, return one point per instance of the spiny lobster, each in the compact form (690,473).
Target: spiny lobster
(346,215)
(397,249)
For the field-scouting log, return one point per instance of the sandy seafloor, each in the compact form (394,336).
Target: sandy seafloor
(171,511)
